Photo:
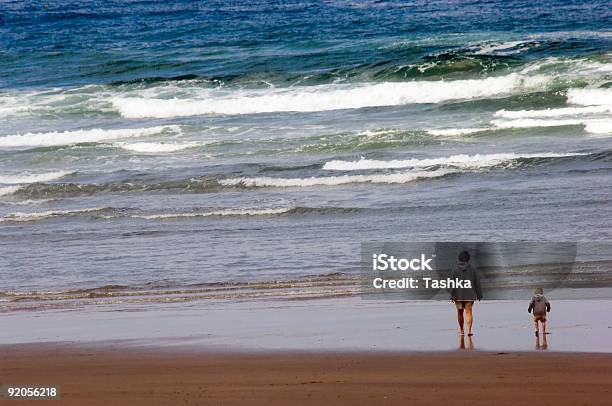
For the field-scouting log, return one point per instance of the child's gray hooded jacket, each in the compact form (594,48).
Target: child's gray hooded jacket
(539,304)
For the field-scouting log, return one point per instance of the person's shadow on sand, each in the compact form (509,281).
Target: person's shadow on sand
(470,343)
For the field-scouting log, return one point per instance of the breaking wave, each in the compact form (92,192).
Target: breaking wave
(36,216)
(452,132)
(218,213)
(9,190)
(462,161)
(58,138)
(326,97)
(252,212)
(596,104)
(590,97)
(595,126)
(403,177)
(430,168)
(552,113)
(32,178)
(502,48)
(156,147)
(599,127)
(109,213)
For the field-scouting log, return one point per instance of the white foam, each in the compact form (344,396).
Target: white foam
(226,212)
(57,138)
(450,132)
(326,97)
(599,127)
(155,147)
(28,202)
(532,122)
(8,190)
(462,161)
(377,132)
(590,97)
(556,35)
(403,177)
(594,126)
(495,47)
(23,217)
(32,178)
(12,105)
(551,113)
(6,111)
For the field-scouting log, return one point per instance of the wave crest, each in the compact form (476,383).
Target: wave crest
(58,138)
(404,177)
(32,178)
(326,97)
(461,161)
(590,97)
(36,216)
(156,147)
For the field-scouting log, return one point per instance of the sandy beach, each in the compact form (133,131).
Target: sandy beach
(106,375)
(273,202)
(340,352)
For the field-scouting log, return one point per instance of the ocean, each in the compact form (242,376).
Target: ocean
(176,151)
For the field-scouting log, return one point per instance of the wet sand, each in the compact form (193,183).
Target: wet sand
(105,376)
(336,325)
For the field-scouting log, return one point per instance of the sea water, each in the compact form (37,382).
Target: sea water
(218,147)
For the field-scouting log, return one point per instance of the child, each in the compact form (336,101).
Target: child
(540,306)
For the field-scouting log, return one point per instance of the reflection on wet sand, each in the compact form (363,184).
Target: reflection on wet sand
(544,345)
(541,343)
(470,343)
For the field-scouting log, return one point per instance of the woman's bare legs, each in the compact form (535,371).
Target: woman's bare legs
(468,311)
(460,320)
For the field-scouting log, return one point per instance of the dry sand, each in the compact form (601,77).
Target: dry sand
(107,376)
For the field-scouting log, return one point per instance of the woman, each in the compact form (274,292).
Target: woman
(464,297)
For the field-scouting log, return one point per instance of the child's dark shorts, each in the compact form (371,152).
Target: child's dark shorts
(539,317)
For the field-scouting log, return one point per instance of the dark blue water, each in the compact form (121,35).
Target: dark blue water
(67,43)
(197,142)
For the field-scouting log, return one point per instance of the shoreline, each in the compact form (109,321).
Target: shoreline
(124,347)
(332,326)
(153,377)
